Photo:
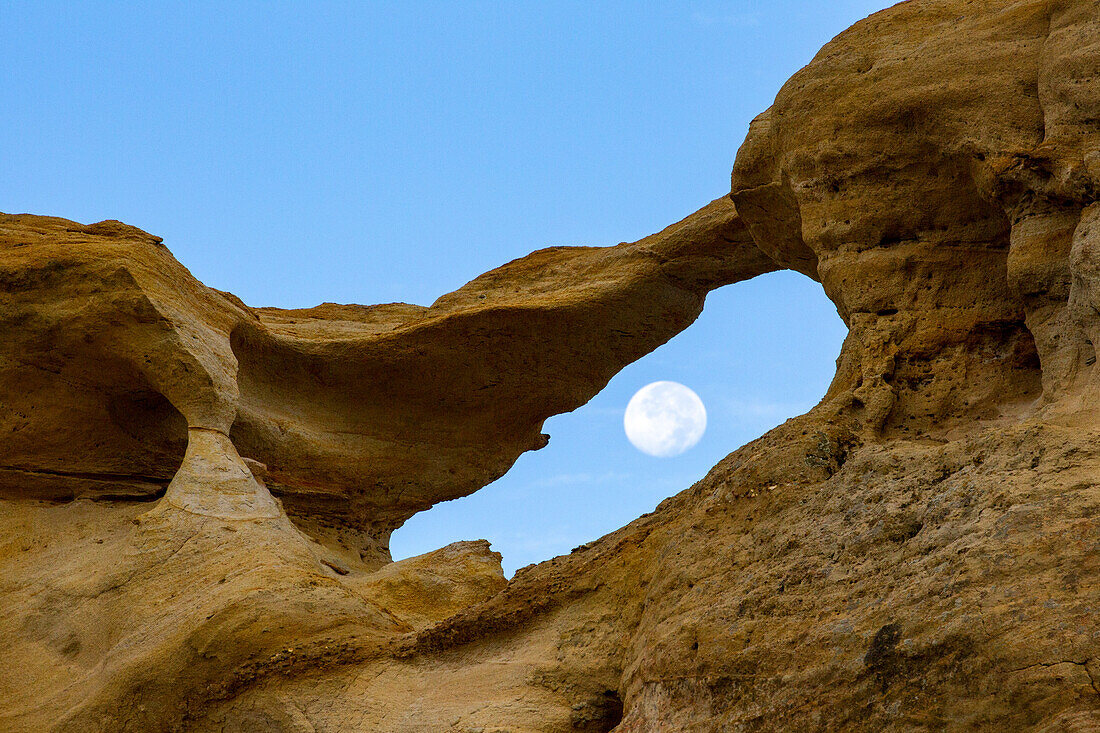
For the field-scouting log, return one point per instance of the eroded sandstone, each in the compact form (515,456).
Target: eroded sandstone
(919,552)
(361,415)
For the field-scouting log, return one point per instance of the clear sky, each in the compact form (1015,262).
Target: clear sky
(370,152)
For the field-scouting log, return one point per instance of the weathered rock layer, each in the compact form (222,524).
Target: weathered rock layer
(361,416)
(917,552)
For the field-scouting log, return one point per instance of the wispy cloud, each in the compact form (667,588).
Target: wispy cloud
(765,411)
(572,479)
(543,542)
(604,411)
(520,549)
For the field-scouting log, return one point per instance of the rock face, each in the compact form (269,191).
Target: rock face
(920,551)
(120,361)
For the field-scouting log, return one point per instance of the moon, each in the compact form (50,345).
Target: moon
(664,419)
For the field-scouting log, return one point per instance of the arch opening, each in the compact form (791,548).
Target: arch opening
(760,353)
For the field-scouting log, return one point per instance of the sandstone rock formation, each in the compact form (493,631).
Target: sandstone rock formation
(120,363)
(196,495)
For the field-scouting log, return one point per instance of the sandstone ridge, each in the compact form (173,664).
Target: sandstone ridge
(197,495)
(360,416)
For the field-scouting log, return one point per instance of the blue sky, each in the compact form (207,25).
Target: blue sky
(297,153)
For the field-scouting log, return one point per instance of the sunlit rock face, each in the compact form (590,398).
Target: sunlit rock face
(360,415)
(916,553)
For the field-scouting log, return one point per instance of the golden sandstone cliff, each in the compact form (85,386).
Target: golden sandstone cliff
(197,495)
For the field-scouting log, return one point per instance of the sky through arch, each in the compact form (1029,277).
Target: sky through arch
(762,351)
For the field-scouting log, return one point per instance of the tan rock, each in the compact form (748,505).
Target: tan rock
(919,552)
(362,415)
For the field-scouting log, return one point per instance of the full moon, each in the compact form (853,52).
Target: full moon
(664,419)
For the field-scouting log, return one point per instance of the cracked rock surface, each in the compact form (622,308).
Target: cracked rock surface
(196,496)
